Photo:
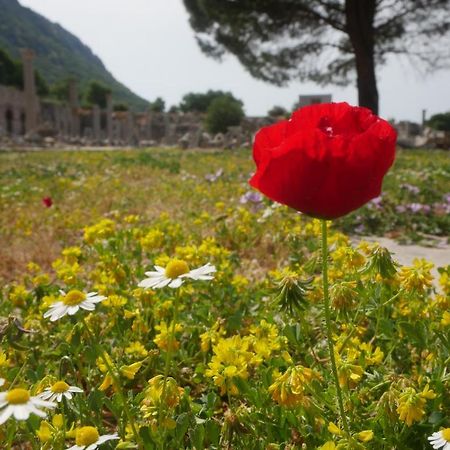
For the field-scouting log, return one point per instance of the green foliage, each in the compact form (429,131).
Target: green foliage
(120,107)
(440,121)
(159,105)
(42,87)
(11,74)
(277,111)
(59,54)
(326,41)
(60,90)
(174,109)
(242,374)
(10,71)
(200,102)
(97,94)
(223,112)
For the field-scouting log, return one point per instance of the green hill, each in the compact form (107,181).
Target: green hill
(59,54)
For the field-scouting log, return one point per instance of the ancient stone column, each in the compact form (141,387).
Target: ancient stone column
(129,137)
(65,122)
(29,88)
(167,129)
(149,135)
(2,119)
(74,106)
(109,118)
(17,123)
(96,123)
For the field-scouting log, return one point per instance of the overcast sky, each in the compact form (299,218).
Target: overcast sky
(149,46)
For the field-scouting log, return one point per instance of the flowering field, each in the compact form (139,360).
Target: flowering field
(222,344)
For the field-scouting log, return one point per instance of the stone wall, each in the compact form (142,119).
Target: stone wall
(26,119)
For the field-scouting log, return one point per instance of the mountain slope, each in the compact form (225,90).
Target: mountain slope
(59,54)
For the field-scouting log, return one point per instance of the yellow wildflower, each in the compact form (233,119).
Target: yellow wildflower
(411,404)
(290,388)
(211,336)
(131,370)
(101,230)
(445,319)
(417,277)
(232,359)
(19,295)
(365,436)
(166,339)
(153,240)
(136,349)
(334,429)
(264,339)
(115,301)
(330,445)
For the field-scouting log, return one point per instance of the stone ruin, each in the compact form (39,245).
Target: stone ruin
(413,135)
(27,120)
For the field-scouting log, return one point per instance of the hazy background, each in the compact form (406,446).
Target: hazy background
(149,46)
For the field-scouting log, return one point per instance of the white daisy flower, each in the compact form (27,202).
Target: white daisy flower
(58,391)
(87,438)
(174,273)
(20,404)
(440,439)
(72,302)
(2,381)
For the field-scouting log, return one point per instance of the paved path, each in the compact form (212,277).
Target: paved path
(405,254)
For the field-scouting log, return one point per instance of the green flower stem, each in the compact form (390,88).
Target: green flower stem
(114,375)
(326,304)
(171,338)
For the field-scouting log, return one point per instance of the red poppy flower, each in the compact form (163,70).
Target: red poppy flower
(326,160)
(47,202)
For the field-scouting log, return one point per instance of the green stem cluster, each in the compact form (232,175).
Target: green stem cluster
(327,311)
(171,340)
(116,380)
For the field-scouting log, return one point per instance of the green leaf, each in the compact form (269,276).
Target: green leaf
(198,436)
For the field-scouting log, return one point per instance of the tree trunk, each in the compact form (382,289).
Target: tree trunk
(360,17)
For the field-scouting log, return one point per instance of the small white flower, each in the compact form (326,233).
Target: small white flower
(440,439)
(20,404)
(2,382)
(174,273)
(72,302)
(58,391)
(87,438)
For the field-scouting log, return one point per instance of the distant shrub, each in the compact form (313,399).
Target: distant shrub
(440,121)
(159,105)
(11,74)
(223,112)
(200,102)
(97,94)
(277,111)
(120,107)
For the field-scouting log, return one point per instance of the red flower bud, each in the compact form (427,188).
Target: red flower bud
(47,202)
(326,160)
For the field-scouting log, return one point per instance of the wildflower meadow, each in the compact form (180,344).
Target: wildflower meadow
(152,299)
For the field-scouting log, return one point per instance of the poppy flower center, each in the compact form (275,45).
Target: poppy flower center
(175,268)
(446,434)
(86,436)
(326,126)
(17,396)
(74,297)
(59,387)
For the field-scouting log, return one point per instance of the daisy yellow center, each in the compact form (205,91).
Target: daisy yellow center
(176,267)
(59,387)
(74,297)
(86,436)
(17,396)
(446,434)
